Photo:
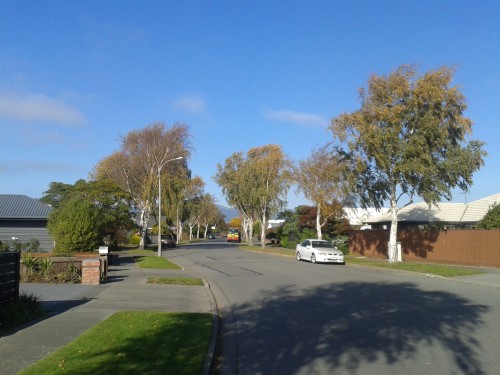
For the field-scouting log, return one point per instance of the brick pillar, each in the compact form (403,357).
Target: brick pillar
(91,271)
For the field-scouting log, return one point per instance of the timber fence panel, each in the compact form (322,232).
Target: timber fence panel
(9,276)
(476,247)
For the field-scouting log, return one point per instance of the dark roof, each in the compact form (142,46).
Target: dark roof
(22,207)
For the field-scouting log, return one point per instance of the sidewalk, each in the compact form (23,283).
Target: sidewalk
(77,308)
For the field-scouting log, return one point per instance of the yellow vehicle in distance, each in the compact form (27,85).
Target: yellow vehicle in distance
(233,235)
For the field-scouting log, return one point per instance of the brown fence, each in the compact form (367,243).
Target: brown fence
(9,276)
(466,247)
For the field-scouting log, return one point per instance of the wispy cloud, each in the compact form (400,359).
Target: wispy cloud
(302,118)
(190,103)
(39,108)
(23,166)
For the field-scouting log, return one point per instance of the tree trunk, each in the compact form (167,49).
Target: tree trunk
(180,233)
(144,227)
(245,228)
(248,229)
(263,231)
(392,250)
(318,223)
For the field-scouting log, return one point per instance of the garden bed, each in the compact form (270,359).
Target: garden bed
(49,268)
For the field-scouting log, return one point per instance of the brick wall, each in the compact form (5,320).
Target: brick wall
(91,271)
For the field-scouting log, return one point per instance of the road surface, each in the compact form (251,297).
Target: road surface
(281,316)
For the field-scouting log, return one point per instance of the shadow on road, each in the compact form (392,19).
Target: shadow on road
(354,324)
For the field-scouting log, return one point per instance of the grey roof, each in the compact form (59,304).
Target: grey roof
(22,207)
(443,212)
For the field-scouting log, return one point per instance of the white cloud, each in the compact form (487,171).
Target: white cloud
(190,103)
(302,118)
(31,166)
(39,108)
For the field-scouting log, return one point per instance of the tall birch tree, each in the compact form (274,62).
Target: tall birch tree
(320,179)
(409,138)
(257,185)
(234,179)
(142,159)
(271,173)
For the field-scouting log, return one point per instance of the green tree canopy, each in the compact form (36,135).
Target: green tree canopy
(257,185)
(111,201)
(492,218)
(76,226)
(409,138)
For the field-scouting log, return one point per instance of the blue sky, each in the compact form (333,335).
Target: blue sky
(75,76)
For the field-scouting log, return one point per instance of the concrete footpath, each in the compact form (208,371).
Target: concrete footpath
(75,309)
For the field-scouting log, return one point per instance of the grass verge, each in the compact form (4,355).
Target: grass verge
(427,268)
(432,269)
(278,250)
(155,262)
(134,343)
(176,281)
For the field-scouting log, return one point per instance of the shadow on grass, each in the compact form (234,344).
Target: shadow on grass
(351,325)
(173,343)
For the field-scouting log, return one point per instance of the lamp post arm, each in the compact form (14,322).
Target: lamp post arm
(160,167)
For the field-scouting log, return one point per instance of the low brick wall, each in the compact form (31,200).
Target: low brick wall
(97,266)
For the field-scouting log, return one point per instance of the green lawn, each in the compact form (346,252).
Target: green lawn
(270,249)
(428,268)
(176,281)
(155,262)
(136,342)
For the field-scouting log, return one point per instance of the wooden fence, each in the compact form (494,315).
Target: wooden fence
(475,247)
(9,276)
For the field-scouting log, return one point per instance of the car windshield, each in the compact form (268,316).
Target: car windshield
(322,244)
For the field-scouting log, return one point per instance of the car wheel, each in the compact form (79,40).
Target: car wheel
(298,256)
(313,258)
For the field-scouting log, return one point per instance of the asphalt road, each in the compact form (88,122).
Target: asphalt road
(281,316)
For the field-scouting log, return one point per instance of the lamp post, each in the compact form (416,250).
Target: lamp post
(159,201)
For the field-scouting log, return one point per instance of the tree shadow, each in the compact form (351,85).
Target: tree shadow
(351,325)
(375,242)
(418,242)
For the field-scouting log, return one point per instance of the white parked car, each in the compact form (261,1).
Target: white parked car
(318,251)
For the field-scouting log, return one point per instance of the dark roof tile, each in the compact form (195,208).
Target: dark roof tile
(22,207)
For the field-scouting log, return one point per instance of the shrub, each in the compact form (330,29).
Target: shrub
(15,245)
(75,226)
(31,264)
(287,244)
(492,218)
(306,233)
(135,240)
(22,310)
(341,242)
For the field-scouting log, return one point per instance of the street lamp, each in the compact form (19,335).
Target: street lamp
(159,201)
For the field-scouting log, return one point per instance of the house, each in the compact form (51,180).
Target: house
(24,218)
(357,217)
(446,215)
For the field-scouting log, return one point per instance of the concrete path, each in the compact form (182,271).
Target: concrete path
(77,308)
